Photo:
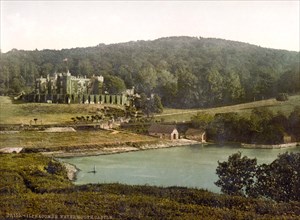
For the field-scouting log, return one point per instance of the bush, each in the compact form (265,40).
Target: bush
(282,97)
(236,176)
(279,180)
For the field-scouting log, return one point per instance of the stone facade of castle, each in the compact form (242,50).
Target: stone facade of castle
(65,88)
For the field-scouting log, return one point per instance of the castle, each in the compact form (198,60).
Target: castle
(65,88)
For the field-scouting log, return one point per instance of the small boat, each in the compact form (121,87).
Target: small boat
(93,171)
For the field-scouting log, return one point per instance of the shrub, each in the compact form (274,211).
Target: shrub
(282,97)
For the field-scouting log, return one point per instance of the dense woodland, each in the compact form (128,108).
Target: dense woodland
(185,72)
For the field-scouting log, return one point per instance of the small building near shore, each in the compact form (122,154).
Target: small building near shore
(169,132)
(196,135)
(286,139)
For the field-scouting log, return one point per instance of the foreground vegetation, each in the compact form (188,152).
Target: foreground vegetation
(31,184)
(279,180)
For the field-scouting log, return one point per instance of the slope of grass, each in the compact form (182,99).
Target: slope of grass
(61,113)
(71,140)
(170,115)
(23,113)
(22,173)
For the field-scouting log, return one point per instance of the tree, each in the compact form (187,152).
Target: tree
(233,90)
(4,79)
(266,128)
(279,180)
(187,93)
(201,120)
(236,176)
(149,105)
(157,106)
(114,84)
(169,93)
(146,80)
(260,118)
(224,127)
(282,97)
(17,85)
(294,122)
(290,80)
(85,68)
(46,68)
(264,84)
(215,83)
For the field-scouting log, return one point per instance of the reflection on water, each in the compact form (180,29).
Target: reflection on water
(190,166)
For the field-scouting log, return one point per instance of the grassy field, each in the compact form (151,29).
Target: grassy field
(71,140)
(170,115)
(22,113)
(62,113)
(57,114)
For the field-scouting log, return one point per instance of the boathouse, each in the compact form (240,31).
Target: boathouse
(164,131)
(196,135)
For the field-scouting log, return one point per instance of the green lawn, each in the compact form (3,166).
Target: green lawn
(170,115)
(57,114)
(62,113)
(71,140)
(23,113)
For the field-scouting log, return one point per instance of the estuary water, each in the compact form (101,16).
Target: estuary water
(188,166)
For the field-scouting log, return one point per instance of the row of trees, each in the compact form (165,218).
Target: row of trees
(184,71)
(279,180)
(262,127)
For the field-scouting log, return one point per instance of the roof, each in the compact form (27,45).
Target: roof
(192,131)
(163,129)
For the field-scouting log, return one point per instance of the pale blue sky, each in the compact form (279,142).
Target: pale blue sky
(65,24)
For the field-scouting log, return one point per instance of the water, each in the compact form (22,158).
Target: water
(189,166)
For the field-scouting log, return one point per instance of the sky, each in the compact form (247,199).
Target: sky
(31,25)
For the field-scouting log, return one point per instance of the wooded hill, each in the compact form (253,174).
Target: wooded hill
(185,72)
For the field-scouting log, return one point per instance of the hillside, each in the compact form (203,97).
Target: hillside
(43,191)
(22,113)
(171,115)
(186,72)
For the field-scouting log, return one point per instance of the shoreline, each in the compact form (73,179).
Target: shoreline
(72,169)
(115,149)
(269,146)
